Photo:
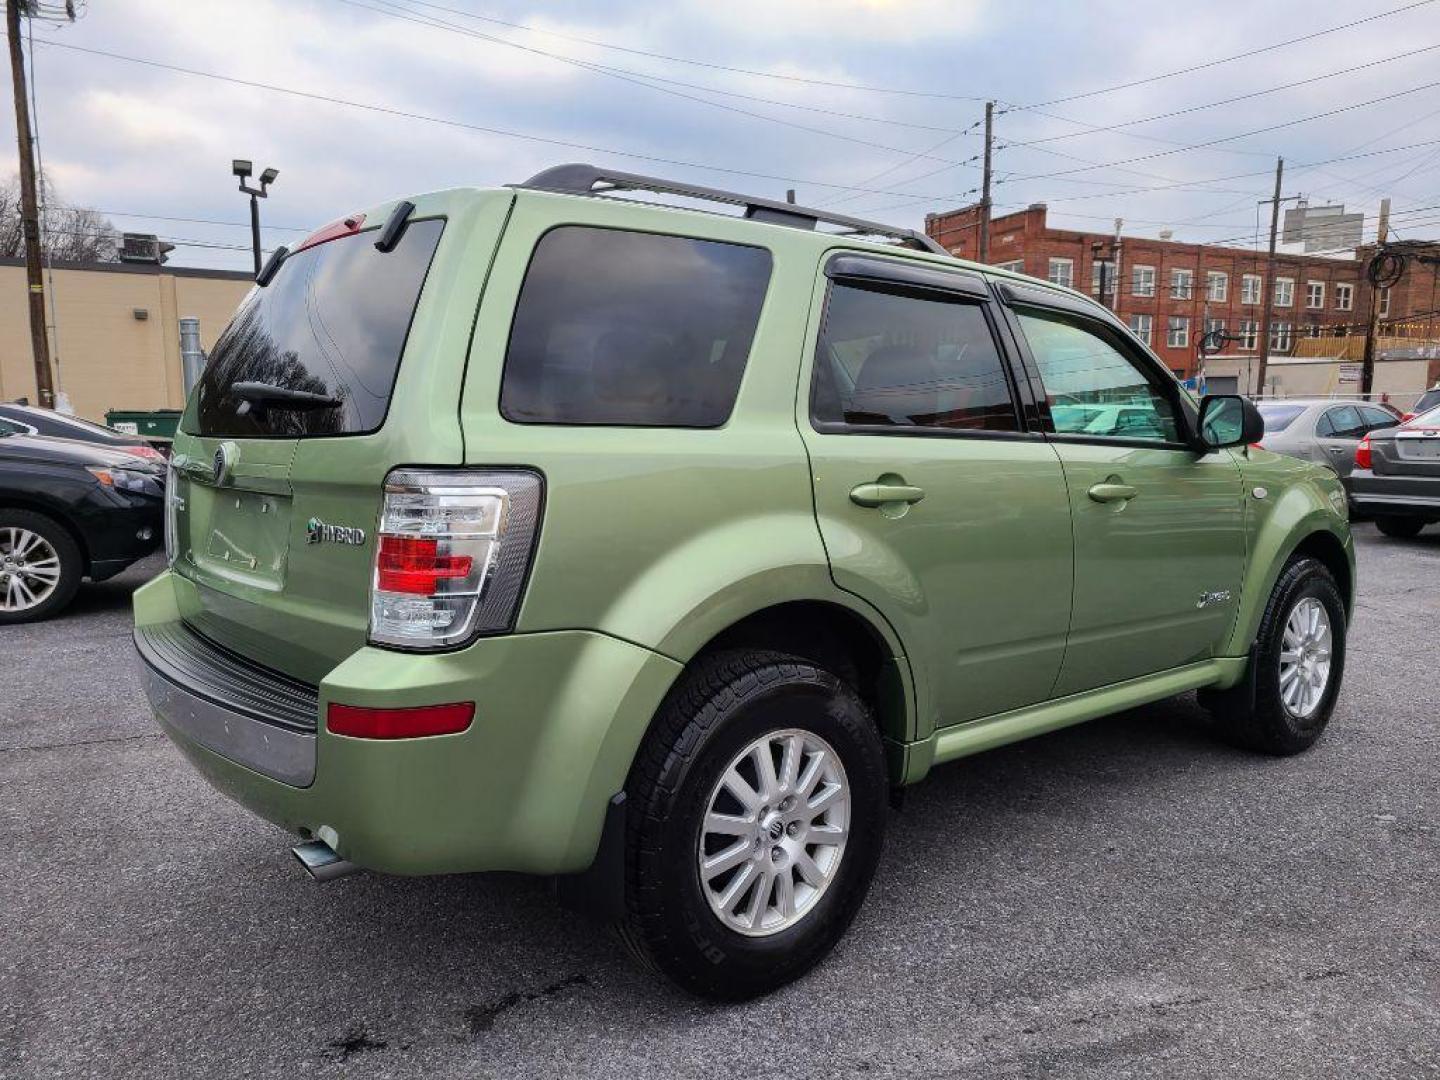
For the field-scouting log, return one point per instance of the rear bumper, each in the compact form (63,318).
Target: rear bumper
(1399,496)
(558,719)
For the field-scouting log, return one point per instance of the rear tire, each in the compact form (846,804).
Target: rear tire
(699,925)
(40,566)
(1402,528)
(1300,662)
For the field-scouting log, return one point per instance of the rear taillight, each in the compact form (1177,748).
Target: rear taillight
(451,555)
(1362,453)
(149,453)
(417,722)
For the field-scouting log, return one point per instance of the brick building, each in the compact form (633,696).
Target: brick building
(1171,293)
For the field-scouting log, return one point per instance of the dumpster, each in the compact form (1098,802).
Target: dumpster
(150,423)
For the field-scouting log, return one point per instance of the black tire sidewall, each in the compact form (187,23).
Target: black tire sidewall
(1307,579)
(712,958)
(72,566)
(1399,527)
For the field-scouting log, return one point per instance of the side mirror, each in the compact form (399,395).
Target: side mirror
(1229,420)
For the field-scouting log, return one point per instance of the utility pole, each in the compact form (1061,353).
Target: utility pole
(1267,291)
(29,210)
(984,244)
(1115,270)
(1367,366)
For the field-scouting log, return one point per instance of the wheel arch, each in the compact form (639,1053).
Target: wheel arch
(54,513)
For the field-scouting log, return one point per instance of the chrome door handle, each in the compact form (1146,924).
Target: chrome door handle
(1108,493)
(878,494)
(1338,450)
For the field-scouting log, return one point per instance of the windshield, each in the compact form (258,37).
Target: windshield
(333,322)
(1279,417)
(9,427)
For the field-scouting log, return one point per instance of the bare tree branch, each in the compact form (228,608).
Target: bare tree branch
(72,233)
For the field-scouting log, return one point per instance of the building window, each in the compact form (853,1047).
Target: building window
(1182,284)
(1213,326)
(1385,301)
(1313,330)
(1315,295)
(1016,266)
(1177,332)
(1344,297)
(1142,325)
(1280,336)
(1062,272)
(1142,280)
(1250,289)
(1217,285)
(1284,291)
(1108,268)
(1249,334)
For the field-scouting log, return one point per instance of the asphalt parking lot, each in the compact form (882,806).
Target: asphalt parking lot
(1124,899)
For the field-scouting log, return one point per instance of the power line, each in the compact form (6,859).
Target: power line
(1226,59)
(198,221)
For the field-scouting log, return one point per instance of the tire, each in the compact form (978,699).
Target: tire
(42,545)
(1272,721)
(1402,528)
(726,704)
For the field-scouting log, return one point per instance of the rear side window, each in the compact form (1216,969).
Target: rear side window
(333,322)
(891,360)
(633,329)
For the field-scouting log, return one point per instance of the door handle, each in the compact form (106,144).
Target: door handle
(1111,492)
(878,494)
(1339,450)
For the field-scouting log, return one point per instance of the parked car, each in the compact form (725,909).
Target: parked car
(69,510)
(1323,430)
(1424,403)
(1397,475)
(49,422)
(653,548)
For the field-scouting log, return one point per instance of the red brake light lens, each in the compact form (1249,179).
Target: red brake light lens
(413,564)
(360,722)
(149,453)
(1362,453)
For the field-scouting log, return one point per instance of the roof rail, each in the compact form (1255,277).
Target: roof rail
(580,179)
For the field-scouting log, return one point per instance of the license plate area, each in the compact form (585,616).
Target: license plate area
(239,535)
(1426,449)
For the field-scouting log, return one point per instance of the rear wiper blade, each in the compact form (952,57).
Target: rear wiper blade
(268,396)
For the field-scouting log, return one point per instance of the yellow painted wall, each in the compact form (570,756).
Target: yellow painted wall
(109,359)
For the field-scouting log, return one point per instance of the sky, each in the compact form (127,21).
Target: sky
(870,106)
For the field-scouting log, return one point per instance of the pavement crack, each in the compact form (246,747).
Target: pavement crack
(481,1018)
(81,742)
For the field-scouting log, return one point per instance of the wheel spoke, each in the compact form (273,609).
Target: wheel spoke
(1289,656)
(728,859)
(728,824)
(764,759)
(811,776)
(828,835)
(819,803)
(736,889)
(785,893)
(805,866)
(739,787)
(760,899)
(790,762)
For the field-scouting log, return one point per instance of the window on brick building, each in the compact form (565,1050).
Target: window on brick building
(1212,325)
(1344,297)
(1015,266)
(1061,272)
(1107,266)
(1281,336)
(1315,294)
(1284,292)
(1217,285)
(1384,302)
(1182,284)
(1142,280)
(1143,326)
(1177,332)
(1249,334)
(1250,289)
(1313,330)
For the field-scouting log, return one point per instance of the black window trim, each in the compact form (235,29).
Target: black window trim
(666,233)
(1338,433)
(193,402)
(1021,296)
(916,281)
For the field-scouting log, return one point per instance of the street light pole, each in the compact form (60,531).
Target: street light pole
(241,169)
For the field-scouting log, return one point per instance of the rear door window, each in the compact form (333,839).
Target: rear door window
(332,322)
(633,329)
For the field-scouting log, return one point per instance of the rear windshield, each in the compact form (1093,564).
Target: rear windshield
(1428,400)
(333,322)
(616,327)
(1280,417)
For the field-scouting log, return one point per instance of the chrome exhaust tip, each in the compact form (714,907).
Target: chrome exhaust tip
(320,861)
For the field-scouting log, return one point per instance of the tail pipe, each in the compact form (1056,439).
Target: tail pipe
(321,862)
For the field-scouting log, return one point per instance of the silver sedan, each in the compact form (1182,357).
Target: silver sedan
(1326,430)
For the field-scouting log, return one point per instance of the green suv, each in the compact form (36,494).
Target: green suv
(653,549)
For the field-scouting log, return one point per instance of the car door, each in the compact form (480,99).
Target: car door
(1159,528)
(1337,433)
(935,502)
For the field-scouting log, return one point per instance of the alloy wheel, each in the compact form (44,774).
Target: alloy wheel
(29,569)
(774,832)
(1305,658)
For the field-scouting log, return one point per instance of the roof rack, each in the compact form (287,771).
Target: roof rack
(580,179)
